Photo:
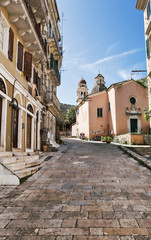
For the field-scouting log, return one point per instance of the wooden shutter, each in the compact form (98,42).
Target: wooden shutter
(20,57)
(148,10)
(147,48)
(38,85)
(27,64)
(11,44)
(35,80)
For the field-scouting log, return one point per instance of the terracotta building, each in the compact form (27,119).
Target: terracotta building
(30,61)
(111,111)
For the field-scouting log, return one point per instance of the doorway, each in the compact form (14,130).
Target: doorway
(134,125)
(37,130)
(15,129)
(29,127)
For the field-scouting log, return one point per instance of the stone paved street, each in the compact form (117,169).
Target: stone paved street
(90,191)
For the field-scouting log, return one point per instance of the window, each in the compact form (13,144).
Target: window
(27,65)
(132,100)
(11,45)
(1,36)
(4,34)
(99,112)
(20,56)
(109,106)
(147,48)
(148,10)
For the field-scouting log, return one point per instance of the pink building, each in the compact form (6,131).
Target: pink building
(112,111)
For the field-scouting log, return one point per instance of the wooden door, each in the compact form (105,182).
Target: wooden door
(29,127)
(0,117)
(15,130)
(134,125)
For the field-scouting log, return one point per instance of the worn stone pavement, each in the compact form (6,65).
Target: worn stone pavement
(89,191)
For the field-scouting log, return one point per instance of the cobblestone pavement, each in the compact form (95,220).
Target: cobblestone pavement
(89,192)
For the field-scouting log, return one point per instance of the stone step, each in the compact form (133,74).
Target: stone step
(17,150)
(5,154)
(27,172)
(32,153)
(19,154)
(10,160)
(2,149)
(20,166)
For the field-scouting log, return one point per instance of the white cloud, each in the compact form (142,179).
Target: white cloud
(106,59)
(111,47)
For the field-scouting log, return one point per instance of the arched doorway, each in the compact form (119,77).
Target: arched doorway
(2,110)
(29,126)
(15,128)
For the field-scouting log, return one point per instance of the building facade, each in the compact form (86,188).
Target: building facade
(112,111)
(30,61)
(145,6)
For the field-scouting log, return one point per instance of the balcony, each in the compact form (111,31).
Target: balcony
(53,103)
(21,14)
(54,45)
(53,72)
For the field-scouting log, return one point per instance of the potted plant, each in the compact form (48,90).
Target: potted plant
(103,139)
(44,147)
(108,139)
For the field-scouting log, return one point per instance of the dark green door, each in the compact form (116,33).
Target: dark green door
(134,127)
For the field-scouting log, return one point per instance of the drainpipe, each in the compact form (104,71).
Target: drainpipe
(12,117)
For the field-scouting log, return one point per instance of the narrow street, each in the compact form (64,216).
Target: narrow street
(92,192)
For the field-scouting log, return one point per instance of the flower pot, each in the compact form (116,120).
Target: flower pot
(44,148)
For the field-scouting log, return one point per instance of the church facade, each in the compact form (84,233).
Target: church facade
(111,111)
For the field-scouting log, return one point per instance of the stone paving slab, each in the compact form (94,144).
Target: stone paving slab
(86,191)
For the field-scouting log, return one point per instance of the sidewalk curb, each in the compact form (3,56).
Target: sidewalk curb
(143,161)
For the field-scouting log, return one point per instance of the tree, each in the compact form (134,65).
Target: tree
(71,115)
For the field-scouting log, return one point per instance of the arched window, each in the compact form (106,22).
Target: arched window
(30,108)
(2,86)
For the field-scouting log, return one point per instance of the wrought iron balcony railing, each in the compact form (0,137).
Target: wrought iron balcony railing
(34,22)
(52,34)
(52,99)
(52,65)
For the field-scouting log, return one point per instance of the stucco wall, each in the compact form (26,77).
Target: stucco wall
(74,130)
(122,96)
(98,125)
(112,112)
(83,119)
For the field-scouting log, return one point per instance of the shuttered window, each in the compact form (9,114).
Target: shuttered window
(99,112)
(35,77)
(27,64)
(147,48)
(11,44)
(148,10)
(20,57)
(38,85)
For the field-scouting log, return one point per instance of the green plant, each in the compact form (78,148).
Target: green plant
(108,139)
(103,139)
(146,115)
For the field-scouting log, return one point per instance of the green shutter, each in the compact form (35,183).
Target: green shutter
(148,10)
(147,48)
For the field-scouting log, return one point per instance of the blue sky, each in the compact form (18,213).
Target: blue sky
(105,36)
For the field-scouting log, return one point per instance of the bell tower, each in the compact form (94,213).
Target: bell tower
(82,90)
